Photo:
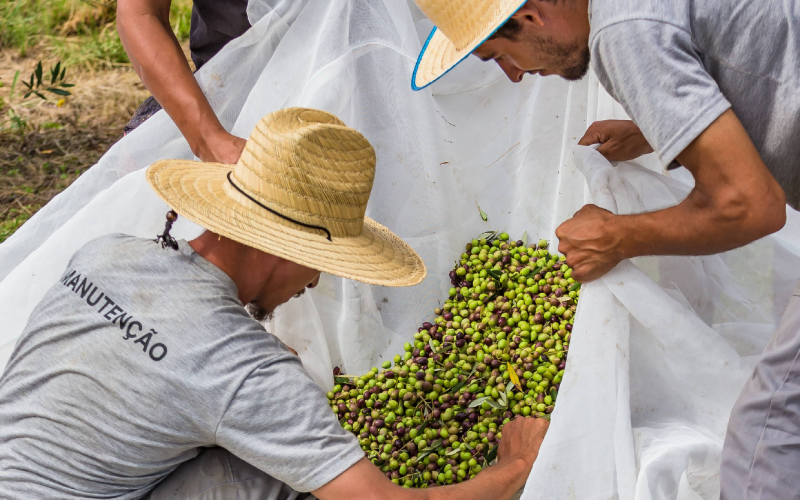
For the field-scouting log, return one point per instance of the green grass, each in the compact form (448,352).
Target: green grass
(77,32)
(14,221)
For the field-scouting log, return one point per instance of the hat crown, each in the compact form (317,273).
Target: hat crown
(462,22)
(310,168)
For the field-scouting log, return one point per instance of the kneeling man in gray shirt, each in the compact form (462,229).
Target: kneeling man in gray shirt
(142,375)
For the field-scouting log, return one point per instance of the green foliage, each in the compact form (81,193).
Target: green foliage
(57,85)
(78,32)
(13,221)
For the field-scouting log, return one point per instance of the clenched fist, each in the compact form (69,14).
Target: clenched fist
(589,242)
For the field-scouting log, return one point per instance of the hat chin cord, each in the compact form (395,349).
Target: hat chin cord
(310,226)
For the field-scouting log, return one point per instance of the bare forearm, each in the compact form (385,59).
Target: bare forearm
(159,61)
(735,201)
(690,228)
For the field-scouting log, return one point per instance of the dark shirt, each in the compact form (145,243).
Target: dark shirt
(214,24)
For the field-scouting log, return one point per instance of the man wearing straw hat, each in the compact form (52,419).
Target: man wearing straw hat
(710,85)
(142,356)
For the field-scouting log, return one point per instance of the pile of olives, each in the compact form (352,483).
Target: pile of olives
(497,348)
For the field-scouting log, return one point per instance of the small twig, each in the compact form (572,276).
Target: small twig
(502,155)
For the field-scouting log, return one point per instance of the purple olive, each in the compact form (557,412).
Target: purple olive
(569,327)
(379,423)
(460,416)
(420,375)
(448,316)
(506,259)
(502,321)
(460,343)
(426,326)
(453,275)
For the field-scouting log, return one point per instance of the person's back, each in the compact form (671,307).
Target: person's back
(136,358)
(676,66)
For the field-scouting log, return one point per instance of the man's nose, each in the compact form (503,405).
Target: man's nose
(313,283)
(512,72)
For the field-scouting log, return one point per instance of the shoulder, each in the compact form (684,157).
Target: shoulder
(622,16)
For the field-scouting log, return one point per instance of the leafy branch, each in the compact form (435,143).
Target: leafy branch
(37,84)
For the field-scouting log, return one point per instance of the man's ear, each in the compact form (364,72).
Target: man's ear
(529,14)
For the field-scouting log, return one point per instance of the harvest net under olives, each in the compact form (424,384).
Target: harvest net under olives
(497,348)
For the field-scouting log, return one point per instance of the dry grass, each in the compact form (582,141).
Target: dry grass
(48,146)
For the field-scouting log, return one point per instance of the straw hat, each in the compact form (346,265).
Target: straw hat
(461,26)
(299,191)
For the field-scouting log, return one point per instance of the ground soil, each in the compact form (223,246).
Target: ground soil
(58,141)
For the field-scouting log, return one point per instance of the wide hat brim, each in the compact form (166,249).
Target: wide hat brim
(196,191)
(439,55)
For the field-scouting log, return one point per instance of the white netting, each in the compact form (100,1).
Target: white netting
(661,345)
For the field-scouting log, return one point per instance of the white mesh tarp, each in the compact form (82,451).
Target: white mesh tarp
(662,345)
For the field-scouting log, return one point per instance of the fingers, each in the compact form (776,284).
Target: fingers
(593,135)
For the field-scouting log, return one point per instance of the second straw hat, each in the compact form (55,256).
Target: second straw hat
(461,26)
(300,192)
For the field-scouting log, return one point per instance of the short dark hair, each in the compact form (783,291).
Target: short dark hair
(509,30)
(512,27)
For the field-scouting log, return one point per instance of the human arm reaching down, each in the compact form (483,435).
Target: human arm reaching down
(735,201)
(157,57)
(518,450)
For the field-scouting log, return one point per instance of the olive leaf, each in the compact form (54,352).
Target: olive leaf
(483,214)
(491,454)
(342,380)
(513,376)
(487,235)
(467,446)
(504,399)
(524,239)
(574,287)
(496,405)
(433,347)
(494,274)
(479,402)
(435,444)
(452,452)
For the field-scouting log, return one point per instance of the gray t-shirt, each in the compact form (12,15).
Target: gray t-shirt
(134,359)
(676,66)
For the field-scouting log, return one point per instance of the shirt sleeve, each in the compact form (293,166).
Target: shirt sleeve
(655,72)
(280,421)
